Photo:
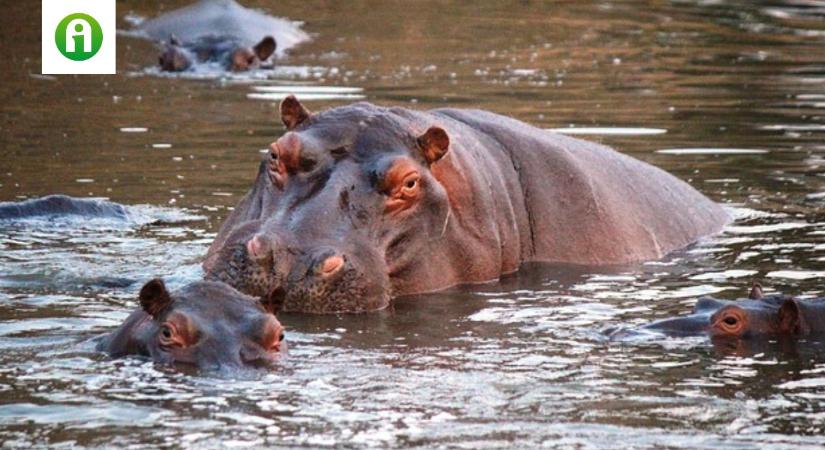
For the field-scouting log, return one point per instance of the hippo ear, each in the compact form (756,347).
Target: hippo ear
(790,318)
(756,291)
(154,297)
(265,48)
(293,113)
(434,144)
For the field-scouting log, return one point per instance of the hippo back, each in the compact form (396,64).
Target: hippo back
(62,205)
(587,203)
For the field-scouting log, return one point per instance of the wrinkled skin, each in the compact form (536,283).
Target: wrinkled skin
(178,57)
(61,205)
(208,325)
(360,203)
(755,317)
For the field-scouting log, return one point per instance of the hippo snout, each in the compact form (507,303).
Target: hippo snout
(321,279)
(272,342)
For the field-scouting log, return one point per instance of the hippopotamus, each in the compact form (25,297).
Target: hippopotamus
(178,57)
(758,316)
(205,324)
(219,31)
(62,205)
(361,203)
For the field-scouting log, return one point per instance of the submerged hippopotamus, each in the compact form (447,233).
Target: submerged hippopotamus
(754,317)
(232,55)
(62,205)
(219,31)
(360,203)
(205,324)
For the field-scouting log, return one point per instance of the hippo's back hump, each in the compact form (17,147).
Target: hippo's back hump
(590,204)
(62,205)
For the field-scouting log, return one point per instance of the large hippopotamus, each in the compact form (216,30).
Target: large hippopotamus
(220,31)
(205,324)
(758,316)
(360,203)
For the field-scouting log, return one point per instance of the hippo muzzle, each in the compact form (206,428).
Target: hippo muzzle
(322,279)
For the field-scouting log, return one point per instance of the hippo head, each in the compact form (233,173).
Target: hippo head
(246,58)
(345,209)
(174,58)
(177,57)
(753,317)
(208,325)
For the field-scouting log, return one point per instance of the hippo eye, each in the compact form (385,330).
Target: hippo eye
(410,185)
(169,337)
(732,321)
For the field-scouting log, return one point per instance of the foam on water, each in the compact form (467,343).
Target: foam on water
(610,131)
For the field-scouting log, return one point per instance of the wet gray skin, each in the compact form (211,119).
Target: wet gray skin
(207,325)
(61,205)
(755,317)
(361,203)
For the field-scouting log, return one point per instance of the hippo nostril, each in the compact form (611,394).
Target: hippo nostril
(282,337)
(331,265)
(257,248)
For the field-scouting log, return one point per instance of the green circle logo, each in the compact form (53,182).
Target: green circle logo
(78,36)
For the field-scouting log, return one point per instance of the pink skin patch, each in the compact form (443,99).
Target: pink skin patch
(286,152)
(332,265)
(256,248)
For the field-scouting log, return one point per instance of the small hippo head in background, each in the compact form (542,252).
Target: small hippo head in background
(205,324)
(175,58)
(758,316)
(246,58)
(178,56)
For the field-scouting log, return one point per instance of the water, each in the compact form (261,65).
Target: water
(519,363)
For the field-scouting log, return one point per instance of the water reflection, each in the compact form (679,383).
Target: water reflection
(519,363)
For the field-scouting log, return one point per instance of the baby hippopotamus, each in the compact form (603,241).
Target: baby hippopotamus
(757,316)
(226,50)
(205,324)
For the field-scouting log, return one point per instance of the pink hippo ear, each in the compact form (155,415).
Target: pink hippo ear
(293,113)
(154,297)
(790,318)
(265,48)
(434,144)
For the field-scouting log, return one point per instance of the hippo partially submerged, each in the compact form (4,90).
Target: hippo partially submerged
(219,31)
(225,50)
(757,316)
(360,203)
(62,205)
(206,324)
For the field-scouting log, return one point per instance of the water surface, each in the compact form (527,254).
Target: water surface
(733,91)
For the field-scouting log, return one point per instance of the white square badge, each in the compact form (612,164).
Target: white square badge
(78,37)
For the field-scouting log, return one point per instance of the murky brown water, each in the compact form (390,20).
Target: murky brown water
(516,364)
